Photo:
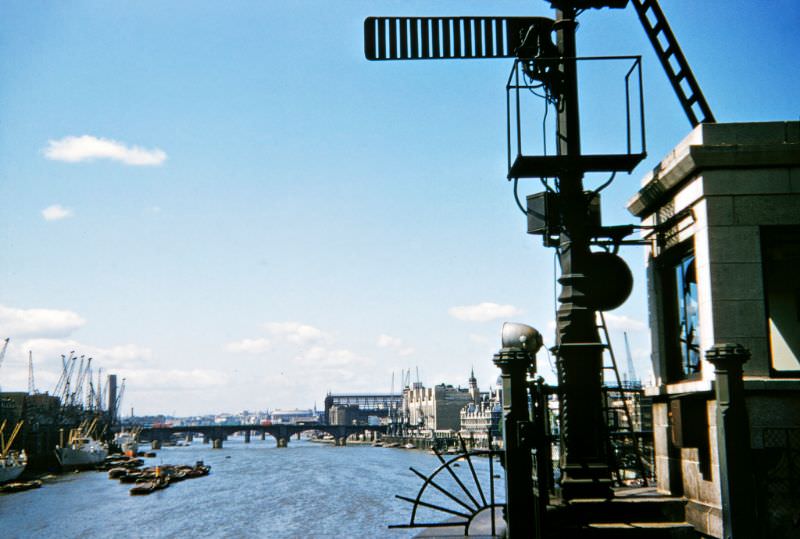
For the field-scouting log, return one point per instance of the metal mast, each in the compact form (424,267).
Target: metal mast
(584,462)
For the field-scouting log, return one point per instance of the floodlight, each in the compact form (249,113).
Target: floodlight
(521,336)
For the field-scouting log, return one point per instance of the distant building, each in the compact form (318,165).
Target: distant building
(435,408)
(295,416)
(359,407)
(481,417)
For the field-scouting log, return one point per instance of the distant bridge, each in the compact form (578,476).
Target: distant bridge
(216,434)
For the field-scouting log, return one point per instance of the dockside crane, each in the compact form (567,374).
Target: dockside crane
(77,396)
(3,351)
(631,370)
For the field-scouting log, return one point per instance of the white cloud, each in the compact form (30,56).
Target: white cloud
(387,341)
(296,332)
(484,312)
(16,323)
(616,322)
(56,212)
(324,358)
(122,356)
(149,380)
(394,343)
(249,346)
(88,148)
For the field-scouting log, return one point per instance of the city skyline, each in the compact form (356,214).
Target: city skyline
(232,209)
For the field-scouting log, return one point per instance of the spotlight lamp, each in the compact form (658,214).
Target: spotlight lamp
(521,336)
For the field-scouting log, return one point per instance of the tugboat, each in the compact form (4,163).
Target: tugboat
(81,451)
(12,463)
(128,442)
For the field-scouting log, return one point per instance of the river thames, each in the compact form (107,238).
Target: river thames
(254,490)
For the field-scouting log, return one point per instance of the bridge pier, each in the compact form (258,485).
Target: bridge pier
(247,436)
(283,442)
(206,438)
(189,437)
(340,441)
(155,444)
(298,435)
(263,435)
(217,443)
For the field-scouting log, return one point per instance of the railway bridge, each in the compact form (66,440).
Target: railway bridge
(216,434)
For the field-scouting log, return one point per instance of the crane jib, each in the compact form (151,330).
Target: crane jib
(425,38)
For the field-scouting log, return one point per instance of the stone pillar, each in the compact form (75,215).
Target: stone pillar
(341,441)
(263,435)
(217,443)
(247,436)
(514,364)
(189,437)
(737,484)
(206,438)
(283,442)
(155,444)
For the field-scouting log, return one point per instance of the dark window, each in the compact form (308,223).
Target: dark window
(780,248)
(681,317)
(688,320)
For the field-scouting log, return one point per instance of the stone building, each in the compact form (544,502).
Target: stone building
(435,408)
(723,217)
(481,417)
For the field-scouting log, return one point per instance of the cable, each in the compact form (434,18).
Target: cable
(606,184)
(544,127)
(516,197)
(550,362)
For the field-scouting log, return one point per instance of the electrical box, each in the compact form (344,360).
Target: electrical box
(544,215)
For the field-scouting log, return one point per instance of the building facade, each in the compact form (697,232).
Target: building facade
(435,408)
(722,213)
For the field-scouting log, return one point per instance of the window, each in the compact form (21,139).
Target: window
(682,321)
(780,247)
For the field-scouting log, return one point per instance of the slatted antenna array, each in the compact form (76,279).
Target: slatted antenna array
(428,38)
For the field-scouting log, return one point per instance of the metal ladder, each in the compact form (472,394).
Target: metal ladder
(674,62)
(640,460)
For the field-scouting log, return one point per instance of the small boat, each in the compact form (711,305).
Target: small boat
(131,476)
(391,444)
(20,486)
(116,473)
(409,445)
(199,470)
(128,442)
(148,487)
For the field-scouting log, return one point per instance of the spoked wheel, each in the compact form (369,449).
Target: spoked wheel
(457,491)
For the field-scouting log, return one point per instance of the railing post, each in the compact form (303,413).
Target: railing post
(515,362)
(737,483)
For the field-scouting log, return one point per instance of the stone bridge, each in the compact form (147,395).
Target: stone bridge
(216,434)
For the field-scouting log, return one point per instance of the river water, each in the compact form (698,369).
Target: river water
(254,490)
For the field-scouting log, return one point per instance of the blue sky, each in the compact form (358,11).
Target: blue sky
(227,205)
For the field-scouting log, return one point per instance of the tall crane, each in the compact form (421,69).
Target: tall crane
(3,351)
(631,370)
